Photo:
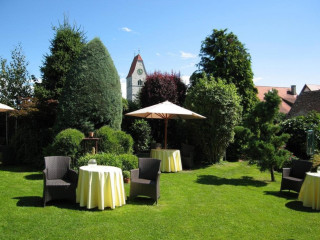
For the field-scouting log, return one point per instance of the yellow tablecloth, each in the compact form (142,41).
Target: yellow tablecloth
(100,186)
(170,159)
(310,191)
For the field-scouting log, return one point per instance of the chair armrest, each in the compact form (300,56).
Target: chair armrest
(134,173)
(45,176)
(158,176)
(73,175)
(285,172)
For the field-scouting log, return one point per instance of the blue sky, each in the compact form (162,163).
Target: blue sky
(283,36)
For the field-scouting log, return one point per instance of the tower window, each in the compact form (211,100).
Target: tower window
(139,82)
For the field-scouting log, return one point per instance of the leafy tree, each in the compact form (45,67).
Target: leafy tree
(297,127)
(160,87)
(220,103)
(66,46)
(224,56)
(91,97)
(15,82)
(266,145)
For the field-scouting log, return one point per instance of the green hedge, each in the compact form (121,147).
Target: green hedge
(113,141)
(66,143)
(124,161)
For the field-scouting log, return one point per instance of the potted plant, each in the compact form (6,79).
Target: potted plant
(126,176)
(91,134)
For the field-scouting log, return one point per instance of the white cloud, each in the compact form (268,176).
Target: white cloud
(185,79)
(255,80)
(186,55)
(158,54)
(125,29)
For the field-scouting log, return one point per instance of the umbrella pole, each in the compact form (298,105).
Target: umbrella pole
(6,128)
(165,132)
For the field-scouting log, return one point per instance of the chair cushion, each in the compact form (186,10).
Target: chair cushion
(293,179)
(58,182)
(143,181)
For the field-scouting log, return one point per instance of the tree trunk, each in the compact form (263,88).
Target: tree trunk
(272,174)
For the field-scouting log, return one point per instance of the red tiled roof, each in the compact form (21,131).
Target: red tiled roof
(133,64)
(287,99)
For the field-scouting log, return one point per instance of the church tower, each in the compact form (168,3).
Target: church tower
(136,78)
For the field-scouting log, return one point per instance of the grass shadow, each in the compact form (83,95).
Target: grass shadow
(141,201)
(35,176)
(29,201)
(298,206)
(17,168)
(287,195)
(243,181)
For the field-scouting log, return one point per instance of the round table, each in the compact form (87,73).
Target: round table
(310,191)
(100,186)
(170,159)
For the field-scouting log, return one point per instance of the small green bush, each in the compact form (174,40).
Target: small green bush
(66,143)
(123,161)
(113,141)
(125,142)
(129,161)
(141,133)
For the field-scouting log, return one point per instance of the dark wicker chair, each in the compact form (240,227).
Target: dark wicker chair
(60,182)
(292,178)
(145,180)
(187,152)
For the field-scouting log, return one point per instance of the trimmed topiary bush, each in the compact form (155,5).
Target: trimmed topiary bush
(66,143)
(112,141)
(141,133)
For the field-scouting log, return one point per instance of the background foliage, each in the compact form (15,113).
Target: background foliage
(297,128)
(224,56)
(15,82)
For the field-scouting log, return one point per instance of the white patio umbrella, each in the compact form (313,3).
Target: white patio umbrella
(165,110)
(5,108)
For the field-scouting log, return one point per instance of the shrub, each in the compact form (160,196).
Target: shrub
(112,141)
(123,161)
(129,161)
(125,142)
(141,133)
(66,143)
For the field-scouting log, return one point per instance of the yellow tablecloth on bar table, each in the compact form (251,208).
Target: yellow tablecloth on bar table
(100,186)
(170,159)
(310,191)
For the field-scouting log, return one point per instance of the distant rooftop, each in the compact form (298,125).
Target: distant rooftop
(288,96)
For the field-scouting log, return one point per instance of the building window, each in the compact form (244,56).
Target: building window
(139,82)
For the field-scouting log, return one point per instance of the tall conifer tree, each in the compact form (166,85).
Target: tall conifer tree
(91,97)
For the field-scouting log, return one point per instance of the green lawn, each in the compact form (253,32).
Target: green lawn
(224,201)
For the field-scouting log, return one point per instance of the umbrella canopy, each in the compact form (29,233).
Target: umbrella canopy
(5,108)
(165,110)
